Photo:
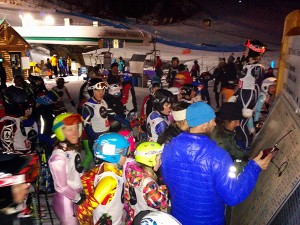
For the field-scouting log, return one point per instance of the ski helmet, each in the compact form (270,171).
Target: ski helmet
(48,98)
(104,72)
(114,89)
(175,59)
(161,97)
(15,101)
(174,90)
(187,89)
(126,76)
(154,83)
(181,67)
(159,218)
(16,169)
(267,83)
(66,119)
(96,84)
(128,134)
(110,147)
(197,86)
(60,80)
(146,152)
(256,48)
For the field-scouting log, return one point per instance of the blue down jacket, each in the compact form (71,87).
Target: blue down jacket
(199,176)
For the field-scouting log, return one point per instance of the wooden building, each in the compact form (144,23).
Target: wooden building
(13,49)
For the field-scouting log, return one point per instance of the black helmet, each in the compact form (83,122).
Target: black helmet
(187,89)
(160,97)
(181,67)
(256,48)
(15,101)
(92,85)
(13,164)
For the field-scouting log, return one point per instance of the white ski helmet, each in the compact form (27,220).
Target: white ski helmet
(174,90)
(114,89)
(267,83)
(159,218)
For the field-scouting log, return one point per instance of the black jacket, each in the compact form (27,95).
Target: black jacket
(115,104)
(168,134)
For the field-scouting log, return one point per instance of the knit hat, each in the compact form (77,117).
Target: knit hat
(230,111)
(199,113)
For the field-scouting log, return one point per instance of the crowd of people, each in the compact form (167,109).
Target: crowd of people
(191,167)
(61,65)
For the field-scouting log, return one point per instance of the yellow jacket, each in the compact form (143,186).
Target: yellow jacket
(53,61)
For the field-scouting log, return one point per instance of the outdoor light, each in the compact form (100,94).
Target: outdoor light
(49,20)
(27,19)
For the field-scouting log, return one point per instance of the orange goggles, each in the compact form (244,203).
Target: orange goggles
(70,120)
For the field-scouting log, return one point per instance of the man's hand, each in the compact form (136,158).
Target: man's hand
(263,163)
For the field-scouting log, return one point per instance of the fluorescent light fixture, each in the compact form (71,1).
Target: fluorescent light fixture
(27,19)
(49,20)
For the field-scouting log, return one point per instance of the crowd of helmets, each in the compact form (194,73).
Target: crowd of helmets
(108,118)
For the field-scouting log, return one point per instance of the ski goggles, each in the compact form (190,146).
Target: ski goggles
(110,150)
(74,118)
(99,86)
(259,49)
(68,121)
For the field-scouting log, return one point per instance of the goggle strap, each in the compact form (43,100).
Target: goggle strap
(12,180)
(56,126)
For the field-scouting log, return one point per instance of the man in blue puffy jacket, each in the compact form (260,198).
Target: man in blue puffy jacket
(201,176)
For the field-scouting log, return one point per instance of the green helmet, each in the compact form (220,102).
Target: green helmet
(146,153)
(65,119)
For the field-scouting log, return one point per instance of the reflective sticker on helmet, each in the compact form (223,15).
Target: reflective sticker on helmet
(153,152)
(108,149)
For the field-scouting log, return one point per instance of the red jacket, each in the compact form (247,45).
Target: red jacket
(158,64)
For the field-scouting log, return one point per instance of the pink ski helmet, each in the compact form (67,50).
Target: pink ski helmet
(128,134)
